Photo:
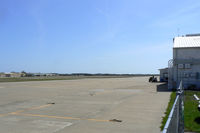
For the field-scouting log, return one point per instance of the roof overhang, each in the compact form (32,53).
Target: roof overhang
(187,42)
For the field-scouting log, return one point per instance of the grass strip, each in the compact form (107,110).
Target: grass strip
(191,113)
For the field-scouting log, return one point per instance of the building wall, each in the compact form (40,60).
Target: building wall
(15,75)
(163,75)
(2,75)
(186,53)
(189,76)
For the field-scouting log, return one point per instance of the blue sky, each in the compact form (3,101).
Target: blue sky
(92,36)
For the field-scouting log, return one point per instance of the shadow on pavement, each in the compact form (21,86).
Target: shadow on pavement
(163,88)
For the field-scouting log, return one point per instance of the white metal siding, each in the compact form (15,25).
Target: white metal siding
(185,42)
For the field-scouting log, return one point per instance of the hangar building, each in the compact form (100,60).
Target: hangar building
(185,64)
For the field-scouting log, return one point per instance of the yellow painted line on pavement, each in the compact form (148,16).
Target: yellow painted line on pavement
(60,117)
(20,113)
(47,116)
(33,108)
(1,115)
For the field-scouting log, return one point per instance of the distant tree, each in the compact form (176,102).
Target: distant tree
(23,71)
(24,74)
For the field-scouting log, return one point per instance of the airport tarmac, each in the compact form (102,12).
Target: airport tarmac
(102,105)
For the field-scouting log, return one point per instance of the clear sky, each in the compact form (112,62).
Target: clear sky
(92,36)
